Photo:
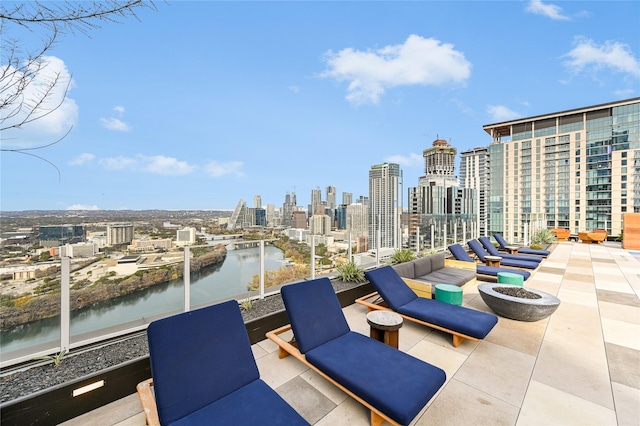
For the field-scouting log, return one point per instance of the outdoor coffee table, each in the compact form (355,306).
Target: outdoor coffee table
(493,260)
(385,326)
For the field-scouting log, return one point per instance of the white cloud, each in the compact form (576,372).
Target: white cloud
(216,168)
(410,160)
(500,113)
(418,61)
(115,124)
(294,89)
(81,159)
(156,164)
(61,111)
(117,163)
(613,55)
(549,10)
(82,207)
(167,166)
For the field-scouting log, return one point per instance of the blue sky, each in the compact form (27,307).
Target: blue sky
(198,104)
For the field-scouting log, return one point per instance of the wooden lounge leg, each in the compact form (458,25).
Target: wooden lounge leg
(376,419)
(457,340)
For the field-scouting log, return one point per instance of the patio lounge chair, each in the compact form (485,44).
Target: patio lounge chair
(394,385)
(462,323)
(477,248)
(204,373)
(493,251)
(503,244)
(487,271)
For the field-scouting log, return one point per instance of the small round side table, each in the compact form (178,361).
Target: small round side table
(385,326)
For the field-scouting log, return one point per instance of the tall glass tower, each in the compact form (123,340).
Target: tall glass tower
(384,205)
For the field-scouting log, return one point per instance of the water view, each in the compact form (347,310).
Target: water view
(214,283)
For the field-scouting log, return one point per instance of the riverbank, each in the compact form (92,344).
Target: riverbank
(82,363)
(30,308)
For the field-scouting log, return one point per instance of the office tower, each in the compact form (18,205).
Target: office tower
(287,209)
(119,233)
(574,169)
(237,217)
(271,209)
(319,224)
(358,220)
(186,236)
(331,197)
(59,235)
(257,201)
(316,206)
(363,200)
(347,198)
(261,217)
(341,216)
(473,174)
(299,219)
(384,202)
(439,164)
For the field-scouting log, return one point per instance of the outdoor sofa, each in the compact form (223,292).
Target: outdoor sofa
(423,273)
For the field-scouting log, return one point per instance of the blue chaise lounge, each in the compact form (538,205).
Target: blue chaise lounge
(394,385)
(204,373)
(493,251)
(462,323)
(477,248)
(503,245)
(459,253)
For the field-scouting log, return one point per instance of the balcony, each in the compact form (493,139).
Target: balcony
(579,366)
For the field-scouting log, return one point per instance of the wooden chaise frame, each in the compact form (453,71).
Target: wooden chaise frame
(289,348)
(379,304)
(148,402)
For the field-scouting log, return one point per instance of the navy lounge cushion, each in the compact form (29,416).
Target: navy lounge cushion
(461,254)
(493,271)
(394,382)
(503,243)
(490,248)
(389,285)
(456,318)
(200,357)
(481,253)
(314,312)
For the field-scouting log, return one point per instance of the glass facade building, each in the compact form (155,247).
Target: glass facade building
(575,169)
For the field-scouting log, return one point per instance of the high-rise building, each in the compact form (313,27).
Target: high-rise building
(299,219)
(347,198)
(331,197)
(439,164)
(319,224)
(59,235)
(357,217)
(384,205)
(186,236)
(257,200)
(473,174)
(288,208)
(119,233)
(577,169)
(237,219)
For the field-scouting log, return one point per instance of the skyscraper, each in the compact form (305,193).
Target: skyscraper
(347,198)
(384,202)
(577,169)
(257,200)
(473,174)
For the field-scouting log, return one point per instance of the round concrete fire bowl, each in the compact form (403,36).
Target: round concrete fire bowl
(534,306)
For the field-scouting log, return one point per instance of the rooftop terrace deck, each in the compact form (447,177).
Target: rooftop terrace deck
(579,366)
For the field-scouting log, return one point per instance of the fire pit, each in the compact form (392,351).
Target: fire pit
(518,303)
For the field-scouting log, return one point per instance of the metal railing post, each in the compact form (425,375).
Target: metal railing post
(65,304)
(187,279)
(261,269)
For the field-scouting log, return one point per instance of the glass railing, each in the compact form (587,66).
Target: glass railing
(63,325)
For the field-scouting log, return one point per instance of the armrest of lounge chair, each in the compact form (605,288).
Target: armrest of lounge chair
(148,402)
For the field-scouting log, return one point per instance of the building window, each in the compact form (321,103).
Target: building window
(623,209)
(577,137)
(624,162)
(623,185)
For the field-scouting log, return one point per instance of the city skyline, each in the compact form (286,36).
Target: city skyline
(199,104)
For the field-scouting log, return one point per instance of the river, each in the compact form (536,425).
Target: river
(214,283)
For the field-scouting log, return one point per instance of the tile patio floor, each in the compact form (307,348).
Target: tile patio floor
(581,366)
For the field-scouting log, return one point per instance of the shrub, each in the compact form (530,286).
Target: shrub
(349,272)
(543,236)
(402,256)
(536,246)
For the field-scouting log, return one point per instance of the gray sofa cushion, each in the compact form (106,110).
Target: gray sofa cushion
(423,266)
(453,276)
(437,261)
(405,270)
